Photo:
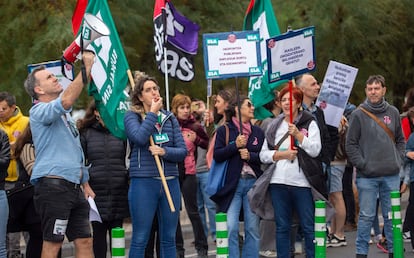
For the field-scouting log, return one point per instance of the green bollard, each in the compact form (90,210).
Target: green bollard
(118,243)
(320,229)
(397,224)
(222,236)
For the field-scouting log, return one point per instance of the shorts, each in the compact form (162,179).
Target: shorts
(335,178)
(63,209)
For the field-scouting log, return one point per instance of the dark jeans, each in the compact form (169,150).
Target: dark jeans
(189,190)
(348,195)
(100,231)
(409,215)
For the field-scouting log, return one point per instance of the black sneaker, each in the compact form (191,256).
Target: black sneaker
(335,241)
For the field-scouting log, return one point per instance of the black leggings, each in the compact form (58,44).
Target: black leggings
(100,231)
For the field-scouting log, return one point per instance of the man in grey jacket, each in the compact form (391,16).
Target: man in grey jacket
(377,156)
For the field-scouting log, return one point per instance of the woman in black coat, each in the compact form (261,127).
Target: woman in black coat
(108,176)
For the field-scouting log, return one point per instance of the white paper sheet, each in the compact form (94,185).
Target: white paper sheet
(93,213)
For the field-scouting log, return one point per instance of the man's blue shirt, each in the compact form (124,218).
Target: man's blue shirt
(57,146)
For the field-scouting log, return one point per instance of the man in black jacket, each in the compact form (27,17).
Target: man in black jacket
(329,134)
(4,211)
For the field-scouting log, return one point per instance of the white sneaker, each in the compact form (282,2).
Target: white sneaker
(298,248)
(268,253)
(406,236)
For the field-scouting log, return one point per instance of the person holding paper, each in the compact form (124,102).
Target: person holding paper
(59,175)
(329,134)
(375,145)
(108,176)
(147,196)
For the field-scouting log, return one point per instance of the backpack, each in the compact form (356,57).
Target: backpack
(342,130)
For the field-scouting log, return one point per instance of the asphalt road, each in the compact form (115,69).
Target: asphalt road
(332,252)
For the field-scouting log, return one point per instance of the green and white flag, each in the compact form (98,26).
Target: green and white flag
(260,16)
(109,73)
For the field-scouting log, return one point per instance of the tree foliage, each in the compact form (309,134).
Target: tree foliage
(374,36)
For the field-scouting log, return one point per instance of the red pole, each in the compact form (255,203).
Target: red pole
(292,140)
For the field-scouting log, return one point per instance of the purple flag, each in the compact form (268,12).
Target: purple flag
(179,36)
(181,32)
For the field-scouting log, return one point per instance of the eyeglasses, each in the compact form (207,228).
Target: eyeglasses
(154,88)
(249,104)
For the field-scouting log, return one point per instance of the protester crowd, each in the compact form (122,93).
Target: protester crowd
(275,168)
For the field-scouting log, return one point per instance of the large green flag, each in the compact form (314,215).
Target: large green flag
(260,16)
(109,73)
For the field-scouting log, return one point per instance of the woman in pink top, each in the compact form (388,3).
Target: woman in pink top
(194,135)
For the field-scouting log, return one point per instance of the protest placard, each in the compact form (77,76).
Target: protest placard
(291,54)
(335,90)
(232,54)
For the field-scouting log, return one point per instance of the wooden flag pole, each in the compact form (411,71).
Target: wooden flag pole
(157,159)
(163,180)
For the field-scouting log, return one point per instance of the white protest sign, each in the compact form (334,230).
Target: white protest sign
(336,88)
(232,54)
(291,54)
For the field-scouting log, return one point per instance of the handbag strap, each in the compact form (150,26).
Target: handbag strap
(281,140)
(380,123)
(227,134)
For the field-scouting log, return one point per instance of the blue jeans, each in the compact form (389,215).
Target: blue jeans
(251,222)
(285,199)
(4,216)
(146,198)
(204,201)
(368,190)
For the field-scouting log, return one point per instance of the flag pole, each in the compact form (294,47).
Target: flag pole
(157,158)
(167,88)
(239,106)
(164,43)
(292,140)
(163,179)
(209,90)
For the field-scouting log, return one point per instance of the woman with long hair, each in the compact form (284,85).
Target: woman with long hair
(242,153)
(147,196)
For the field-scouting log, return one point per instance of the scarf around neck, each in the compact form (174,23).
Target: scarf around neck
(247,127)
(375,108)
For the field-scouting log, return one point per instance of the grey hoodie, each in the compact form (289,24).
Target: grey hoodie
(368,146)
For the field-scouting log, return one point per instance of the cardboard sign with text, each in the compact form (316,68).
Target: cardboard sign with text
(335,90)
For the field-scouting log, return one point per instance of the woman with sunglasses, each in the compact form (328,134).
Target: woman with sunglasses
(242,153)
(147,196)
(296,170)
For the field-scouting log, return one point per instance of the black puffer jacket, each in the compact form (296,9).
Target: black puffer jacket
(108,173)
(4,157)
